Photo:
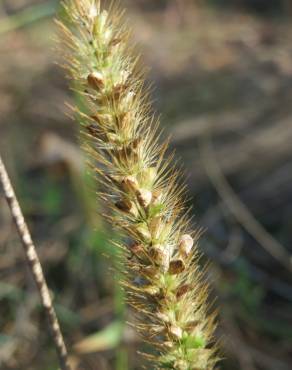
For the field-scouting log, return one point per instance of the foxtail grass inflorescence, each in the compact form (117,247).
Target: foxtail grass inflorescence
(163,279)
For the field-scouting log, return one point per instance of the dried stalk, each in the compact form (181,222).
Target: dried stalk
(163,278)
(35,267)
(239,209)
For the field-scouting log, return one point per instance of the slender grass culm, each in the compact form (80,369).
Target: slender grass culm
(35,267)
(163,279)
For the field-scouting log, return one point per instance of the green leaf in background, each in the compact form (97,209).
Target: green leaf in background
(4,339)
(108,338)
(52,200)
(10,291)
(27,16)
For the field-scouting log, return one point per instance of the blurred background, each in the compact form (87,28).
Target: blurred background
(222,71)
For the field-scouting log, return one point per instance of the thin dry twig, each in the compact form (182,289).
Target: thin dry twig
(238,209)
(35,267)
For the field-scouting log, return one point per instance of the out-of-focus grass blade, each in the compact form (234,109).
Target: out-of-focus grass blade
(27,16)
(10,291)
(4,339)
(107,339)
(68,317)
(122,359)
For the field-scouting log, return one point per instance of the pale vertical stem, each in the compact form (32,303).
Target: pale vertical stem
(35,267)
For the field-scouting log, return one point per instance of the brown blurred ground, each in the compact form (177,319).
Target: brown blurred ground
(223,83)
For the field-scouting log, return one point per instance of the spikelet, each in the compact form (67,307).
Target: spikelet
(164,281)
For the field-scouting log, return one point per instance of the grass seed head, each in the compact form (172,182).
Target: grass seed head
(163,279)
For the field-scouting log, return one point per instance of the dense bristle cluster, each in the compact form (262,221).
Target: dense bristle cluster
(163,278)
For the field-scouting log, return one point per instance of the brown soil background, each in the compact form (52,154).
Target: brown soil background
(223,84)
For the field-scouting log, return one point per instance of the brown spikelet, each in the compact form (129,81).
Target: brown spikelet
(163,280)
(95,80)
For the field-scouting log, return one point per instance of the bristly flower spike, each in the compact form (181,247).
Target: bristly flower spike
(163,278)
